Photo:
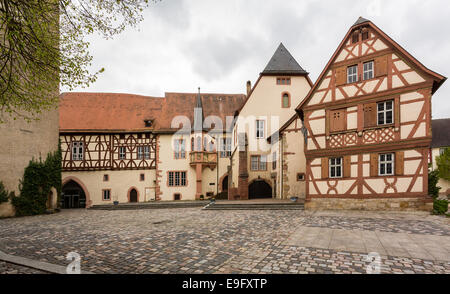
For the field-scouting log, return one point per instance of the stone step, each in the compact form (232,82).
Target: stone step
(148,206)
(256,206)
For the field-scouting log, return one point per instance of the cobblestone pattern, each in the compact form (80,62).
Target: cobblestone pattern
(383,225)
(183,241)
(10,268)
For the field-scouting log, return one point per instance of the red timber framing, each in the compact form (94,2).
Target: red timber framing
(342,120)
(101,151)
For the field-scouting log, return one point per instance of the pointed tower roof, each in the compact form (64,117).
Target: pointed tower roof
(282,62)
(198,113)
(360,21)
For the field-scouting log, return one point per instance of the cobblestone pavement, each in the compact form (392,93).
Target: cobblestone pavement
(383,225)
(10,268)
(195,241)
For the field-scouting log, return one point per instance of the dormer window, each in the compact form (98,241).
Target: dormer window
(148,123)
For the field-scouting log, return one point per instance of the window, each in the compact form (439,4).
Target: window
(365,35)
(106,195)
(258,162)
(142,177)
(77,150)
(105,178)
(177,179)
(225,147)
(177,196)
(368,70)
(355,38)
(285,101)
(386,164)
(260,129)
(283,81)
(140,152)
(385,112)
(274,160)
(179,148)
(122,152)
(147,152)
(352,74)
(300,177)
(336,167)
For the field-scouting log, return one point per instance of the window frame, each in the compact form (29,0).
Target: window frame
(371,71)
(283,81)
(385,111)
(179,149)
(77,150)
(260,130)
(274,160)
(283,95)
(334,166)
(260,163)
(122,155)
(177,176)
(385,163)
(302,179)
(352,75)
(225,148)
(109,195)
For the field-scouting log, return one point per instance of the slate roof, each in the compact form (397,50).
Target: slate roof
(282,62)
(361,20)
(80,111)
(441,133)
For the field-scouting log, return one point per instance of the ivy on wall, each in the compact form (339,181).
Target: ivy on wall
(4,194)
(35,187)
(433,188)
(443,164)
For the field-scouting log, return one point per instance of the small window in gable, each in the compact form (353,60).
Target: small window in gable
(283,81)
(355,38)
(365,35)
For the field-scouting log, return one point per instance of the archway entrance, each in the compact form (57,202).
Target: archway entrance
(73,195)
(225,184)
(259,189)
(133,195)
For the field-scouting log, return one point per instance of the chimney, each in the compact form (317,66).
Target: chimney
(249,87)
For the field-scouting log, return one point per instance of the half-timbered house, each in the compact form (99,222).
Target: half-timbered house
(368,121)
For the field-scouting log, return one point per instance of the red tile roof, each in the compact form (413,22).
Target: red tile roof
(124,112)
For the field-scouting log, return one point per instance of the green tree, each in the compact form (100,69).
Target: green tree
(43,39)
(443,164)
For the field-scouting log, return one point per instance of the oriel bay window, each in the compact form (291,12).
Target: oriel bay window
(176,178)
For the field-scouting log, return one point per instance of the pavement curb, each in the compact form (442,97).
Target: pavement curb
(35,264)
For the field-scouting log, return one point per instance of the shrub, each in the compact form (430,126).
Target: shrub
(440,206)
(4,194)
(38,179)
(443,164)
(433,178)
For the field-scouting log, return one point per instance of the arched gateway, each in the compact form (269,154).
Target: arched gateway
(73,195)
(259,189)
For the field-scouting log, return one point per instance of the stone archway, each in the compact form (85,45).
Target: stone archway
(259,189)
(73,195)
(88,201)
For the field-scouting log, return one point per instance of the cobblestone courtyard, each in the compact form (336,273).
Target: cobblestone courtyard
(195,241)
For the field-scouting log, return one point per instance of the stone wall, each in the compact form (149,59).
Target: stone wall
(394,204)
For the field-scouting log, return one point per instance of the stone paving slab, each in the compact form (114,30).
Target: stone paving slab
(385,243)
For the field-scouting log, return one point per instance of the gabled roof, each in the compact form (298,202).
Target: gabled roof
(82,112)
(282,62)
(441,133)
(439,79)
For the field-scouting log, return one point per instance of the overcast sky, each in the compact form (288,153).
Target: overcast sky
(219,45)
